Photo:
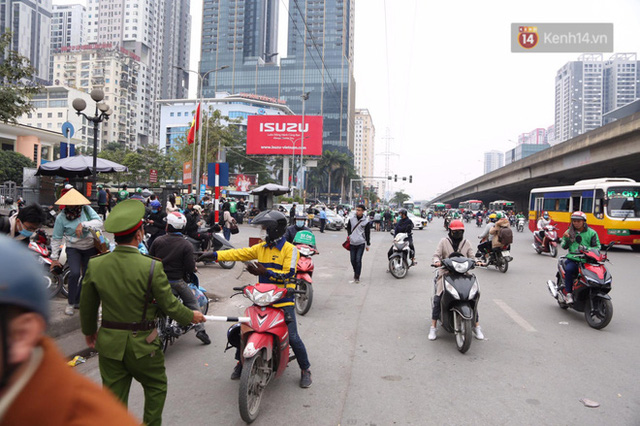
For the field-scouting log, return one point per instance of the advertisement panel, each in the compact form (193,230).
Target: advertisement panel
(282,134)
(186,173)
(243,182)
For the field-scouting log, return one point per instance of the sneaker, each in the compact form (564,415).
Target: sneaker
(305,378)
(204,337)
(569,298)
(237,372)
(356,280)
(69,310)
(432,333)
(477,333)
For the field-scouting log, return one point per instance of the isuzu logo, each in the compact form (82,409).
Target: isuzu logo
(284,127)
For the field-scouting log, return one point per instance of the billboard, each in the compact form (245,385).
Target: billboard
(186,173)
(282,134)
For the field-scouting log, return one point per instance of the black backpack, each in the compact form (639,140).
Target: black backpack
(505,236)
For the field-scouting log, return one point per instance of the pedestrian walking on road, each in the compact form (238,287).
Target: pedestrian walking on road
(103,202)
(126,282)
(323,219)
(74,225)
(359,231)
(36,385)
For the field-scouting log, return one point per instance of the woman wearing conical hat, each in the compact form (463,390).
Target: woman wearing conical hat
(73,224)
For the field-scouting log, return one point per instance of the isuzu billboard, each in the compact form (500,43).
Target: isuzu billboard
(282,134)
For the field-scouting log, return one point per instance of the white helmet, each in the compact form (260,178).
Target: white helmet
(177,220)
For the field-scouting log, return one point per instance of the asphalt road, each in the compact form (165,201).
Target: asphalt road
(372,363)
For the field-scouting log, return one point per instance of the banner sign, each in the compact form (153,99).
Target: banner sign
(242,182)
(282,134)
(153,175)
(186,173)
(224,174)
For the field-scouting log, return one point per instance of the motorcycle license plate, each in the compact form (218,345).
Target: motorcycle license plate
(636,241)
(506,253)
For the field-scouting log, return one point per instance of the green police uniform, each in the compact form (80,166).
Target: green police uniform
(119,280)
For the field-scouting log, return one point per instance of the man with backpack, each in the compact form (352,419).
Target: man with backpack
(503,236)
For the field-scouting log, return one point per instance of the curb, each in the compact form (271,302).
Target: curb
(59,323)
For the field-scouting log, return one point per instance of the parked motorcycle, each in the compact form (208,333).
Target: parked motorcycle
(217,243)
(50,213)
(263,340)
(590,290)
(520,224)
(548,243)
(459,302)
(400,258)
(40,245)
(305,242)
(169,330)
(500,258)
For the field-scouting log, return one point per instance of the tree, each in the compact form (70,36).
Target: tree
(17,86)
(400,197)
(11,164)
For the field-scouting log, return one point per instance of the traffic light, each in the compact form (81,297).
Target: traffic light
(389,177)
(395,178)
(410,179)
(404,178)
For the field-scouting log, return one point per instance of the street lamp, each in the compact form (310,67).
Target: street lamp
(102,113)
(199,125)
(304,97)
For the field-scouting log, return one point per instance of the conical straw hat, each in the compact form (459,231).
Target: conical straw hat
(72,198)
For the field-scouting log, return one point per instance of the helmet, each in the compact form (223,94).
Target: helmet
(499,215)
(155,203)
(274,222)
(456,225)
(578,215)
(176,220)
(138,190)
(402,211)
(22,284)
(493,217)
(545,215)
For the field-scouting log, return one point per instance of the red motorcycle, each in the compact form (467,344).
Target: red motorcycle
(263,339)
(40,245)
(305,243)
(548,243)
(590,290)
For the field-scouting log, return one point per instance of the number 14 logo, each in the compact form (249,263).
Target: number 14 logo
(528,37)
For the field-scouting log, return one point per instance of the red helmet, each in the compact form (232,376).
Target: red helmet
(579,216)
(456,225)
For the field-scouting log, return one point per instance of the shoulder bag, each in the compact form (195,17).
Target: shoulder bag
(347,243)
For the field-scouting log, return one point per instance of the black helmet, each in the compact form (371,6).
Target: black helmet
(274,222)
(403,211)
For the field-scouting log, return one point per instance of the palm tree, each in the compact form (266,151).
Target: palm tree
(327,165)
(343,169)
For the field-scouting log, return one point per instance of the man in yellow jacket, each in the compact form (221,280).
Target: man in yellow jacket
(276,264)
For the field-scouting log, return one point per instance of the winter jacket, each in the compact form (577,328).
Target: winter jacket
(589,238)
(495,231)
(443,251)
(65,228)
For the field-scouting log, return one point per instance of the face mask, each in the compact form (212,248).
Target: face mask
(26,233)
(263,234)
(300,223)
(456,235)
(154,211)
(72,213)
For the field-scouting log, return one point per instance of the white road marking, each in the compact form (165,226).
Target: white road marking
(514,315)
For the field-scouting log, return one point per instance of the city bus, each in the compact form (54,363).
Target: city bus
(472,205)
(502,206)
(612,206)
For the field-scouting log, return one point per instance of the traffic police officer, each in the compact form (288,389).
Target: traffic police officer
(126,282)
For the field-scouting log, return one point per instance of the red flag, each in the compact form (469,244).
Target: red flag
(195,124)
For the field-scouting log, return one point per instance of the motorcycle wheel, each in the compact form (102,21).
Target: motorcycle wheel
(599,316)
(227,264)
(502,264)
(398,267)
(304,301)
(252,384)
(553,251)
(463,330)
(54,283)
(64,290)
(166,339)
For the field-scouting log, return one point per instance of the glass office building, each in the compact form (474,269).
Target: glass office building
(242,35)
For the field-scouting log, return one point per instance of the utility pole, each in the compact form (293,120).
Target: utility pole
(387,161)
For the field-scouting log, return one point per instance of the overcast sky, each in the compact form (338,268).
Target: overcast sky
(454,89)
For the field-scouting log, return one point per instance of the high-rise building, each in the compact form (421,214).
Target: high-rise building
(68,28)
(493,160)
(114,70)
(139,27)
(30,24)
(364,143)
(536,136)
(242,35)
(590,87)
(175,56)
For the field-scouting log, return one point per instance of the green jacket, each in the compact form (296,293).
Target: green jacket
(119,280)
(589,239)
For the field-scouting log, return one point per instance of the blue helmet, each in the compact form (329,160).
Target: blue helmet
(155,203)
(22,282)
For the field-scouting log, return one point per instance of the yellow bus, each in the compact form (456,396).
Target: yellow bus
(612,206)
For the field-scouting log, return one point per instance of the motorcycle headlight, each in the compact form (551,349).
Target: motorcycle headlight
(451,290)
(474,290)
(461,267)
(608,281)
(264,299)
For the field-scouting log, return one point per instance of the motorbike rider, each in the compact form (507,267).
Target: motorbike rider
(571,242)
(298,225)
(405,225)
(502,222)
(453,243)
(155,220)
(191,229)
(485,238)
(277,260)
(21,225)
(544,220)
(179,263)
